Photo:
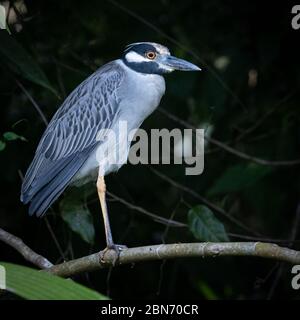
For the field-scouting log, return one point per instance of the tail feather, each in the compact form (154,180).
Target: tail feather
(41,177)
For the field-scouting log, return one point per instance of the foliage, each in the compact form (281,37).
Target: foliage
(13,55)
(32,284)
(78,217)
(9,136)
(2,17)
(205,226)
(239,177)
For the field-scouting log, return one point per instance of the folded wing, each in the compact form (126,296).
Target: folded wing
(70,137)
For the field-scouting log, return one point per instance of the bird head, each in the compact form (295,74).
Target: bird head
(153,58)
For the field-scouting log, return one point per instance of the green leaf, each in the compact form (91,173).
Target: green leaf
(10,136)
(205,226)
(78,217)
(207,291)
(2,145)
(2,17)
(239,177)
(32,284)
(16,58)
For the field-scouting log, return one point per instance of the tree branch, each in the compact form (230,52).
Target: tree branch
(25,251)
(171,251)
(155,252)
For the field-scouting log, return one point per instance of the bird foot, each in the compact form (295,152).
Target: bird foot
(116,248)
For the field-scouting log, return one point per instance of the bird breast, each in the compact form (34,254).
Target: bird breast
(138,95)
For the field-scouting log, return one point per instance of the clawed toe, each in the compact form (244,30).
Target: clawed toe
(117,248)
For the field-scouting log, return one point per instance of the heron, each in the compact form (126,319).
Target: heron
(74,150)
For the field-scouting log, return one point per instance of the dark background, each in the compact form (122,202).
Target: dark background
(250,103)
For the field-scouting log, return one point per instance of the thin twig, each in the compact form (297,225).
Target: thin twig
(25,251)
(229,149)
(183,47)
(70,68)
(281,266)
(30,98)
(262,239)
(211,205)
(295,225)
(60,81)
(259,121)
(174,223)
(169,222)
(54,238)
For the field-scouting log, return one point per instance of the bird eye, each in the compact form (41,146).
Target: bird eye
(151,55)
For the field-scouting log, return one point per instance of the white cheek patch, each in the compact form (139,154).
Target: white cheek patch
(135,57)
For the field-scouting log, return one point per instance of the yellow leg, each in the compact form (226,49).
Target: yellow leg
(101,188)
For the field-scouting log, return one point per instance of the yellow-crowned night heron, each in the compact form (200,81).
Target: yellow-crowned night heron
(73,149)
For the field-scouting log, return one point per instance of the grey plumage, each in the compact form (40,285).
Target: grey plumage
(74,146)
(71,136)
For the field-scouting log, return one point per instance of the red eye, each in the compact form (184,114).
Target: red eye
(151,55)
